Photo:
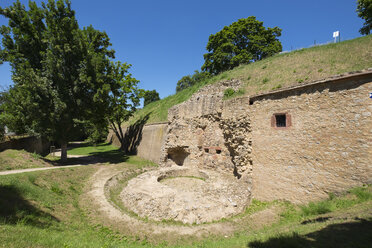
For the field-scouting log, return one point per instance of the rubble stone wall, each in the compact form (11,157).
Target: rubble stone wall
(326,148)
(203,133)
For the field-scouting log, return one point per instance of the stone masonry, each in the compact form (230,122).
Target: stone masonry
(297,144)
(325,149)
(201,134)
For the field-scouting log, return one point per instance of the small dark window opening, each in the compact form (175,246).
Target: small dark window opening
(206,150)
(218,151)
(281,120)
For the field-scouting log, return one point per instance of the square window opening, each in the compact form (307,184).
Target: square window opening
(281,120)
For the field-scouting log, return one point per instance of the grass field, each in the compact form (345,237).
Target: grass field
(276,72)
(43,209)
(14,160)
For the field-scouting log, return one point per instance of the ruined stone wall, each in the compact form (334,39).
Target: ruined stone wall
(326,148)
(204,133)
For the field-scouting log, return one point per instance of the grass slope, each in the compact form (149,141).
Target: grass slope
(15,159)
(279,71)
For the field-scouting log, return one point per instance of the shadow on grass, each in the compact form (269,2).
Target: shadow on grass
(131,140)
(357,233)
(111,156)
(14,209)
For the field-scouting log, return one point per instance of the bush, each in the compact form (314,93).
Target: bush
(97,136)
(228,93)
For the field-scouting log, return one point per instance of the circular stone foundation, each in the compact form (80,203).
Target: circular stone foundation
(186,195)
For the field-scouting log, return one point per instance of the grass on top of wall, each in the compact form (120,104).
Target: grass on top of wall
(279,71)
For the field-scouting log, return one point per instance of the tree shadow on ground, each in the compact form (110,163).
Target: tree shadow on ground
(357,233)
(106,156)
(113,157)
(132,139)
(15,209)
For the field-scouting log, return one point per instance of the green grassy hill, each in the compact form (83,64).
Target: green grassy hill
(279,71)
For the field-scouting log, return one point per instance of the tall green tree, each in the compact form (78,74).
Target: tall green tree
(243,42)
(59,71)
(2,123)
(124,97)
(190,80)
(150,96)
(185,82)
(364,10)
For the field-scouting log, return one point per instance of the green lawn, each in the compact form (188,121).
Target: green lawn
(88,149)
(107,153)
(20,159)
(43,209)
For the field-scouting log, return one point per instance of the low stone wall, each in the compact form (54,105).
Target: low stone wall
(145,142)
(152,140)
(30,144)
(325,146)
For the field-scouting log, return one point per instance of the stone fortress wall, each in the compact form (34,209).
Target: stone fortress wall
(326,147)
(296,144)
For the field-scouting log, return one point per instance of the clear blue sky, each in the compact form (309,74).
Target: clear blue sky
(166,39)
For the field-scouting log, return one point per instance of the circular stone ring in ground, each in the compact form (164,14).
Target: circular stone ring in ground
(188,195)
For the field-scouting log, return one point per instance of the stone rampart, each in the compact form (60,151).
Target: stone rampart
(312,140)
(298,144)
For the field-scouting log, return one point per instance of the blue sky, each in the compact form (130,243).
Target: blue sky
(166,39)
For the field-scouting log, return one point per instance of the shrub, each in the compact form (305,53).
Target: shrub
(228,93)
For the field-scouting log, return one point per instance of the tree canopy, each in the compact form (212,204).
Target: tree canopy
(243,42)
(190,80)
(364,10)
(63,75)
(150,96)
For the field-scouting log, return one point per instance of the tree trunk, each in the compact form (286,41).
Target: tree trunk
(64,151)
(119,133)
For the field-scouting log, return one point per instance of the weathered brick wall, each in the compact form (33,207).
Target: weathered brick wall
(327,148)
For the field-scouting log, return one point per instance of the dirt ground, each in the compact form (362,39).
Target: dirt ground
(96,202)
